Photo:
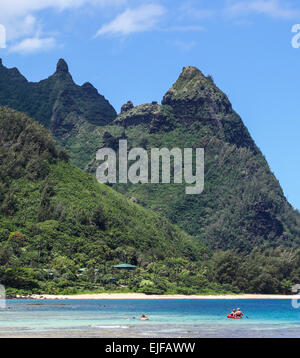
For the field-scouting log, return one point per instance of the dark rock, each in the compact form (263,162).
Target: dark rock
(57,102)
(62,66)
(195,98)
(127,106)
(89,88)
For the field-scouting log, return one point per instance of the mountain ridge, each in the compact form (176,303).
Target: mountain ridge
(51,215)
(71,112)
(242,206)
(54,216)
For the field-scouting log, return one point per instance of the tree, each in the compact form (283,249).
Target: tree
(20,277)
(99,217)
(64,267)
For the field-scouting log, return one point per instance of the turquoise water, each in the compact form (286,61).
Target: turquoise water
(167,318)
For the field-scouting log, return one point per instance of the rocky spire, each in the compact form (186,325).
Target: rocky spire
(126,107)
(190,82)
(190,73)
(62,66)
(194,95)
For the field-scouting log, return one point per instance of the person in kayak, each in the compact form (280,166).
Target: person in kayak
(233,313)
(239,313)
(144,318)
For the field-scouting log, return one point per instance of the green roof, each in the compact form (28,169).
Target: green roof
(125,266)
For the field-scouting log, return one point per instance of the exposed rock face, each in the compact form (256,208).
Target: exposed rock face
(155,116)
(242,205)
(62,66)
(195,96)
(136,115)
(127,106)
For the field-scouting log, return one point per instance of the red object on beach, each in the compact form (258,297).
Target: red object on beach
(233,317)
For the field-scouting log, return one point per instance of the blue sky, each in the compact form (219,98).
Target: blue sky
(135,49)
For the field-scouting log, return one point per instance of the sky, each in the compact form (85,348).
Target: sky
(135,50)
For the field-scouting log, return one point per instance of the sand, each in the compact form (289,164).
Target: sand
(138,296)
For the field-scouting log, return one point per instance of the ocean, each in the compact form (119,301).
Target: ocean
(176,318)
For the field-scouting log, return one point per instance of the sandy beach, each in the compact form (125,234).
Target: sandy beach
(139,296)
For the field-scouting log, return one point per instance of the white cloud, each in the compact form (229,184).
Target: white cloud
(17,27)
(23,7)
(20,20)
(184,46)
(140,19)
(33,45)
(187,9)
(272,8)
(186,28)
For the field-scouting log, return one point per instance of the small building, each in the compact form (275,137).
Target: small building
(125,267)
(81,271)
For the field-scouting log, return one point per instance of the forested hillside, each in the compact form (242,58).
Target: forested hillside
(55,218)
(71,112)
(61,231)
(242,205)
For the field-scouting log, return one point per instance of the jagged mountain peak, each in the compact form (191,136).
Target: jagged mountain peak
(242,205)
(193,87)
(190,72)
(191,81)
(195,97)
(62,66)
(56,102)
(12,73)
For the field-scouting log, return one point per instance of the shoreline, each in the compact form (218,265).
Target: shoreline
(138,296)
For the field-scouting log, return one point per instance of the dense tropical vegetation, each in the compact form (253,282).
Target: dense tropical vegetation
(62,232)
(56,219)
(242,206)
(72,113)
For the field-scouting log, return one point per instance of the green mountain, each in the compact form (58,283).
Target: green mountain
(62,232)
(242,205)
(55,219)
(71,112)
